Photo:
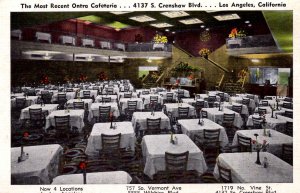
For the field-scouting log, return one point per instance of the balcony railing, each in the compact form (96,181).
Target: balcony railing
(81,40)
(250,42)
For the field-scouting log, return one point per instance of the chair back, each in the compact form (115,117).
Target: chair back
(61,97)
(287,153)
(289,128)
(69,90)
(176,162)
(237,108)
(250,96)
(126,88)
(204,114)
(257,122)
(78,105)
(228,118)
(287,105)
(20,103)
(169,97)
(46,97)
(183,112)
(244,143)
(145,92)
(224,174)
(221,95)
(153,126)
(288,114)
(246,101)
(86,94)
(262,111)
(62,123)
(106,99)
(287,99)
(132,105)
(211,135)
(264,103)
(104,111)
(127,95)
(36,114)
(110,142)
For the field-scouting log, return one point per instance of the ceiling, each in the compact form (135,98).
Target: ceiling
(23,19)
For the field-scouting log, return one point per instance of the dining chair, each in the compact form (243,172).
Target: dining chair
(244,144)
(37,120)
(110,146)
(104,113)
(287,153)
(62,126)
(224,174)
(78,105)
(153,126)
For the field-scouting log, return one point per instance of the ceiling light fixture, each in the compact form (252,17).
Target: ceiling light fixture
(161,25)
(167,30)
(174,14)
(207,29)
(142,18)
(190,21)
(247,21)
(202,26)
(226,17)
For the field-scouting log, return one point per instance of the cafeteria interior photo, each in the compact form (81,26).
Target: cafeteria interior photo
(151,97)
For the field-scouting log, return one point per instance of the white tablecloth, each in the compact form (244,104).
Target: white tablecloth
(130,88)
(244,107)
(43,36)
(127,136)
(213,93)
(105,44)
(85,101)
(205,96)
(239,100)
(141,118)
(190,127)
(67,39)
(272,123)
(121,94)
(114,98)
(21,94)
(215,115)
(245,170)
(275,141)
(173,108)
(186,93)
(155,146)
(256,98)
(76,118)
(42,163)
(192,101)
(146,98)
(115,177)
(113,108)
(164,94)
(47,107)
(30,100)
(124,103)
(88,42)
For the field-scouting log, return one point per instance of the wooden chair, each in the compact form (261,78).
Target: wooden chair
(20,103)
(224,174)
(131,108)
(106,99)
(86,94)
(288,99)
(288,114)
(46,97)
(169,98)
(104,113)
(180,95)
(37,120)
(257,122)
(204,114)
(287,105)
(289,128)
(153,126)
(211,101)
(78,105)
(244,144)
(262,111)
(62,126)
(264,103)
(110,146)
(183,112)
(287,153)
(145,92)
(61,100)
(198,106)
(222,96)
(127,95)
(237,108)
